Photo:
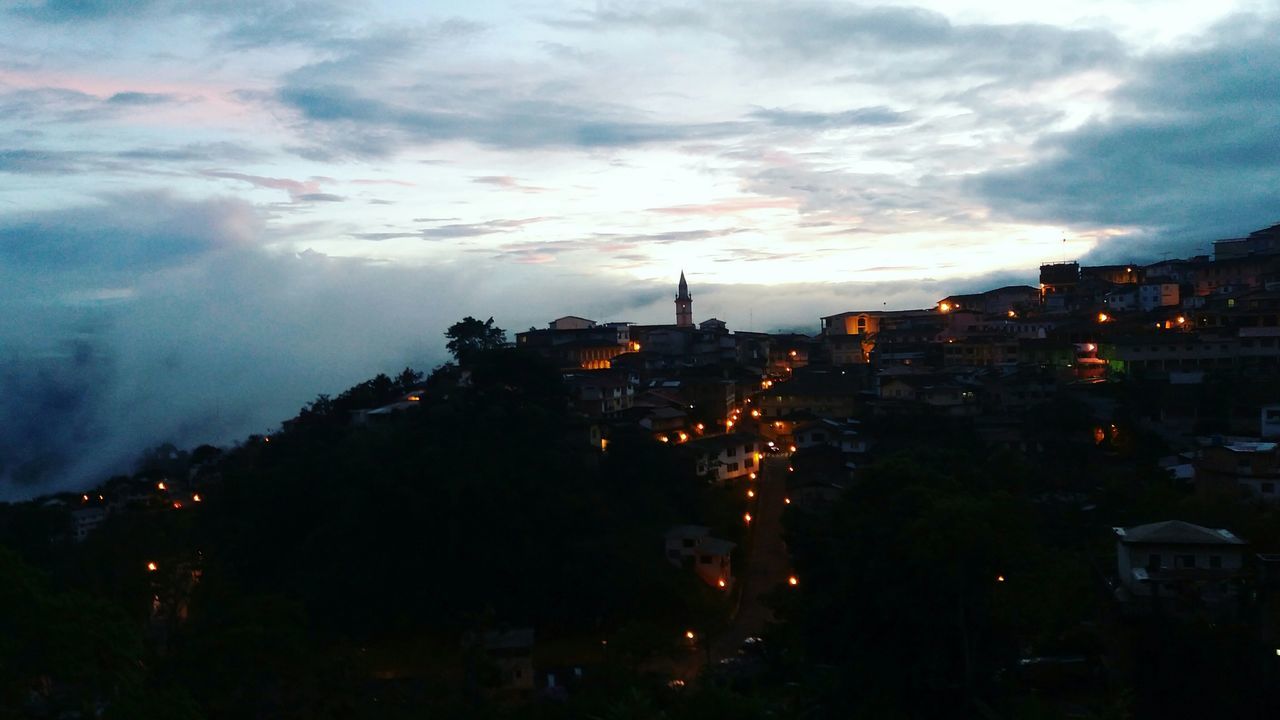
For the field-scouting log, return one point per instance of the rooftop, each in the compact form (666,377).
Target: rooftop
(1176,532)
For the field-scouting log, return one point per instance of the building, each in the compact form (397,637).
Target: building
(1158,293)
(1001,301)
(725,458)
(710,557)
(577,343)
(1190,565)
(928,322)
(684,304)
(1251,467)
(1058,284)
(1259,242)
(600,392)
(85,520)
(822,393)
(511,652)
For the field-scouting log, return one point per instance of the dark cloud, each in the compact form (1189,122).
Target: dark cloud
(365,124)
(144,161)
(40,162)
(141,98)
(887,41)
(872,116)
(69,11)
(129,233)
(320,197)
(467,230)
(195,152)
(56,104)
(1191,155)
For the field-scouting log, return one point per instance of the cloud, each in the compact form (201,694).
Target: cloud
(507,182)
(141,98)
(298,190)
(467,230)
(732,206)
(127,232)
(40,162)
(69,11)
(66,105)
(887,41)
(867,116)
(368,125)
(1191,154)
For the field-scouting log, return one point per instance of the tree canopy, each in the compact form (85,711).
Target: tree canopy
(469,336)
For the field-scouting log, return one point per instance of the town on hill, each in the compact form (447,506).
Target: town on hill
(1035,501)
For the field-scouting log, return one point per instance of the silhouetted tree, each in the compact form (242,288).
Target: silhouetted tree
(469,336)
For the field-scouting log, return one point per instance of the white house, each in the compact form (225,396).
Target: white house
(682,541)
(725,458)
(1176,559)
(1152,295)
(85,520)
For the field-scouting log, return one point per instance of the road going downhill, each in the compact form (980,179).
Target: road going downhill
(767,561)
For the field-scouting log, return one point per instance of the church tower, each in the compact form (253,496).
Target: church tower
(684,304)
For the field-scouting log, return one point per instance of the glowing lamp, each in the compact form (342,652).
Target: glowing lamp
(793,580)
(161,486)
(151,567)
(688,634)
(720,582)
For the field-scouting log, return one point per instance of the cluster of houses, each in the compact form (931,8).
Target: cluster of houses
(732,397)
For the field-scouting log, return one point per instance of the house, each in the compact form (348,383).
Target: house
(571,322)
(725,458)
(682,541)
(1252,467)
(712,562)
(1269,422)
(600,392)
(839,434)
(829,393)
(1188,564)
(710,557)
(85,520)
(1000,301)
(511,651)
(1158,293)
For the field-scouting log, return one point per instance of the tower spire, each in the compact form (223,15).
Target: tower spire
(684,303)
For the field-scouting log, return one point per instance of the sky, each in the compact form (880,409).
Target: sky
(212,212)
